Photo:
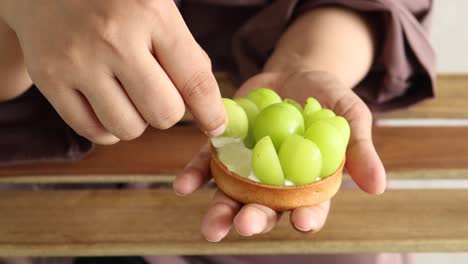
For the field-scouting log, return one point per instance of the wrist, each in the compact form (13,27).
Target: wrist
(328,39)
(290,63)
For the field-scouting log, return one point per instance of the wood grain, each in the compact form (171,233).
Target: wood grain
(407,153)
(141,222)
(422,148)
(156,152)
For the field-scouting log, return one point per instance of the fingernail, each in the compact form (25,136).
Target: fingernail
(178,193)
(218,131)
(175,190)
(246,235)
(380,192)
(212,240)
(303,229)
(257,229)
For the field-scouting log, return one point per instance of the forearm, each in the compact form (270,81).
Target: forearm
(330,39)
(14,78)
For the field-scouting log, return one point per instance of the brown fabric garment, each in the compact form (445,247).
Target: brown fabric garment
(25,260)
(31,131)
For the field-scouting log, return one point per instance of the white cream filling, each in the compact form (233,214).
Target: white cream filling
(234,155)
(252,177)
(237,157)
(219,142)
(288,183)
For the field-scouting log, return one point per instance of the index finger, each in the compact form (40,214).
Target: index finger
(190,70)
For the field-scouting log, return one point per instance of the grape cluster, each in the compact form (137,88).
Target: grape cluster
(289,142)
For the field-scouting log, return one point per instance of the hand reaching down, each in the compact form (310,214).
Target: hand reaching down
(109,68)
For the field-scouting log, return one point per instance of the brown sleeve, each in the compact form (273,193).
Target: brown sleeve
(404,69)
(31,131)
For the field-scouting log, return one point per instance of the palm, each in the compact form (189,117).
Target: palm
(362,161)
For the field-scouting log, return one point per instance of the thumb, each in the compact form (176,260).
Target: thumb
(362,160)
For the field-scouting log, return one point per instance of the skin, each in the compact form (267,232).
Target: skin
(109,68)
(323,54)
(14,78)
(86,68)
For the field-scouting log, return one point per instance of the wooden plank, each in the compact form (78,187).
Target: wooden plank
(139,222)
(154,153)
(407,153)
(423,148)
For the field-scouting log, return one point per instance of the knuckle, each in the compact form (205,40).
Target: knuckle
(46,72)
(157,12)
(349,104)
(216,121)
(359,109)
(130,132)
(200,84)
(71,53)
(125,126)
(168,118)
(56,68)
(107,31)
(150,5)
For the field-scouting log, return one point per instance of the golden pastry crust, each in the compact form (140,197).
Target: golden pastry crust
(279,198)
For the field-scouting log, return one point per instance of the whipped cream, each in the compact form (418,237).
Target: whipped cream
(237,157)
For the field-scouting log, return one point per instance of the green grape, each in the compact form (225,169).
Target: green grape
(278,121)
(263,97)
(265,163)
(300,159)
(318,115)
(341,123)
(329,140)
(252,111)
(238,125)
(293,103)
(311,106)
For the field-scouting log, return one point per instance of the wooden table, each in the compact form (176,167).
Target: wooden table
(144,222)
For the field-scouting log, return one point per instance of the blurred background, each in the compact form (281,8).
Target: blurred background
(450,35)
